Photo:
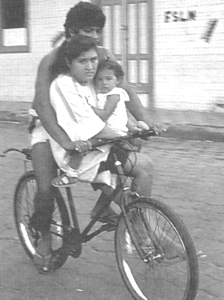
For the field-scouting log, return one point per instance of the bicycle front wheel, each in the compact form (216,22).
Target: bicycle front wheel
(155,253)
(25,192)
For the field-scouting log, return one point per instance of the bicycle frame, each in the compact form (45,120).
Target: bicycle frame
(84,236)
(74,234)
(148,234)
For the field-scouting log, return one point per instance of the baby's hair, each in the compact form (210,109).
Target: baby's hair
(108,64)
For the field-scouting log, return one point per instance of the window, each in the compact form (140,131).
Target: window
(13,26)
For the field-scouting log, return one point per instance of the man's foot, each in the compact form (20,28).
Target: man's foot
(43,256)
(111,219)
(176,251)
(43,263)
(200,254)
(171,252)
(109,215)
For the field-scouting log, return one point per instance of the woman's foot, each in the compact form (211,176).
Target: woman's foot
(63,181)
(176,251)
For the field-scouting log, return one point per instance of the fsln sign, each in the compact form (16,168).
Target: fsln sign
(179,16)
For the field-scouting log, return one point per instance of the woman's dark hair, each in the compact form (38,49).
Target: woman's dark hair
(82,15)
(108,64)
(69,50)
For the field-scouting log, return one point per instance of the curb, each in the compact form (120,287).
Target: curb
(6,116)
(195,132)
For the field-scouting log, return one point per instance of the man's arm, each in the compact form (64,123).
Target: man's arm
(134,105)
(43,106)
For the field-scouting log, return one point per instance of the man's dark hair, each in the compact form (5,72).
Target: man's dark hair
(83,15)
(108,64)
(69,50)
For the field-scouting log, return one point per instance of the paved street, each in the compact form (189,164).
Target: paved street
(189,177)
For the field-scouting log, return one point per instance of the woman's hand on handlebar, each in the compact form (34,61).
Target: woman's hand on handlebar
(78,146)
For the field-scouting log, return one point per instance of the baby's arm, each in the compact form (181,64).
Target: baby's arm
(110,106)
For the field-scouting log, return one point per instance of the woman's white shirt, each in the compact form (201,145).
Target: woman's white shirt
(72,104)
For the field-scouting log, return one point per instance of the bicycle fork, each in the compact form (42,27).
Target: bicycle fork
(138,235)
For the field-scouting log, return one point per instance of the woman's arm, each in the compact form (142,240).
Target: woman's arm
(110,106)
(43,106)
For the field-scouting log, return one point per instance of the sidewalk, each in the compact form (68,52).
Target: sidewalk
(190,125)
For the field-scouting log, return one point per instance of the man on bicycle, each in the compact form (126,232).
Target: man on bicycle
(85,19)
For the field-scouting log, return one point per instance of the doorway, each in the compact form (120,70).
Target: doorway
(128,33)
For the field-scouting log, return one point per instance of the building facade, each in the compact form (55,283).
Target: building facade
(172,51)
(24,42)
(189,54)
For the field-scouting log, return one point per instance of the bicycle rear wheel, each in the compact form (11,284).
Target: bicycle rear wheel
(155,253)
(24,196)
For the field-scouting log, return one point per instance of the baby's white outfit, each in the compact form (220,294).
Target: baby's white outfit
(119,118)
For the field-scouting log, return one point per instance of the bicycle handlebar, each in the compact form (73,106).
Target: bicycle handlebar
(94,142)
(141,134)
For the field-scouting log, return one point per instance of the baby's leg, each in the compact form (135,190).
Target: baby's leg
(75,160)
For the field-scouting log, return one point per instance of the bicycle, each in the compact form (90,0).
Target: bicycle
(154,250)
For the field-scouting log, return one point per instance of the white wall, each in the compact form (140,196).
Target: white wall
(189,71)
(18,70)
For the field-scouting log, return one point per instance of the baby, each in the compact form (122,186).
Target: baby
(111,106)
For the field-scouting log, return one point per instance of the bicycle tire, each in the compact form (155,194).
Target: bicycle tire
(23,210)
(155,253)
